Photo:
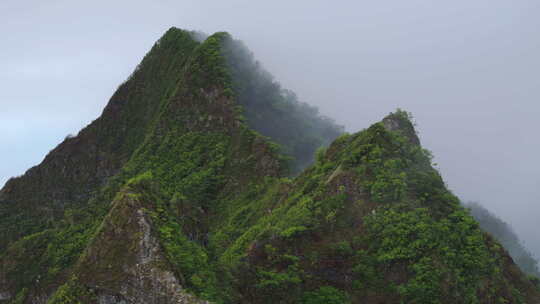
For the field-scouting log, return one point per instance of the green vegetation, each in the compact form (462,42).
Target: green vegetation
(48,255)
(72,292)
(451,251)
(508,238)
(188,189)
(326,295)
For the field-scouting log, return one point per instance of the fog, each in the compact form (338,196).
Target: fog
(467,70)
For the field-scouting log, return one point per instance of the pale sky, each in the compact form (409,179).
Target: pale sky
(469,71)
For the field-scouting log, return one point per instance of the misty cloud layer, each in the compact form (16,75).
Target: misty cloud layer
(468,70)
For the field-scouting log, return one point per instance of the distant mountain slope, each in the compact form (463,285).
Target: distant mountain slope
(184,201)
(276,112)
(507,236)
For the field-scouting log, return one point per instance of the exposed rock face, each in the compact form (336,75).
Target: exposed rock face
(401,122)
(143,275)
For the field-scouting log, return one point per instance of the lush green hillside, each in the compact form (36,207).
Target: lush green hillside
(505,234)
(173,196)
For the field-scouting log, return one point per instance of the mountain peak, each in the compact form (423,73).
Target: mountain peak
(402,121)
(179,193)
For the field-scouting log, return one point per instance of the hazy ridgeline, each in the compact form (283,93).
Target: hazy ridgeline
(276,112)
(504,233)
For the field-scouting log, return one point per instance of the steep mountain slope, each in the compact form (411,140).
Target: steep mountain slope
(372,222)
(506,235)
(81,165)
(184,202)
(49,204)
(55,208)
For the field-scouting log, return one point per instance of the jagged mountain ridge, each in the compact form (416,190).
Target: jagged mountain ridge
(198,206)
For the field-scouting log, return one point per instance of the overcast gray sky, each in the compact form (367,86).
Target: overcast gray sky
(468,70)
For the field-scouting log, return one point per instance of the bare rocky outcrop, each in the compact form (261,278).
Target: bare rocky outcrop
(125,263)
(400,122)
